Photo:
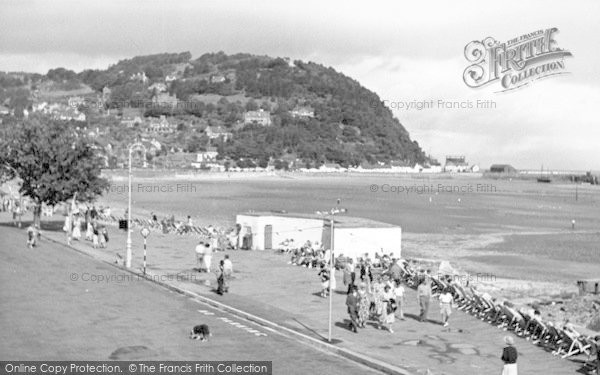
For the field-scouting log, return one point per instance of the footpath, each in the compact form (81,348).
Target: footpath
(269,291)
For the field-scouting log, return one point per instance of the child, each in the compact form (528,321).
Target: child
(324,276)
(32,236)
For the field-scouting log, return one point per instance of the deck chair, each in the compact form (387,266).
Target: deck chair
(572,345)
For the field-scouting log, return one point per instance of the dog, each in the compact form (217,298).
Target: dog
(200,332)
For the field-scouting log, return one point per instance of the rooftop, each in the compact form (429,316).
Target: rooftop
(341,220)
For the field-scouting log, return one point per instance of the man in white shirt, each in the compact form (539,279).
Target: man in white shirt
(446,306)
(200,256)
(227,267)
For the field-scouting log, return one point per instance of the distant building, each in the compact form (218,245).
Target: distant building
(160,126)
(474,168)
(170,78)
(260,117)
(215,132)
(4,110)
(502,168)
(141,77)
(303,112)
(217,78)
(456,164)
(209,155)
(76,101)
(158,87)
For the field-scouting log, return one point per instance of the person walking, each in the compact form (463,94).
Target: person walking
(352,302)
(399,297)
(222,286)
(207,257)
(364,304)
(227,267)
(349,274)
(509,357)
(389,307)
(446,300)
(423,298)
(199,256)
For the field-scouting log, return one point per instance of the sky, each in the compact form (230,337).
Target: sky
(405,51)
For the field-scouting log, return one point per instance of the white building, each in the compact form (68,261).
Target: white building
(353,237)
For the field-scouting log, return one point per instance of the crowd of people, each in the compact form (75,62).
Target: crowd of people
(86,222)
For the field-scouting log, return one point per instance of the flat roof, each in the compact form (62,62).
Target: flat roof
(341,220)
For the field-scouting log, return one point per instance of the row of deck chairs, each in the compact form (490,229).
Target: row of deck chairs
(169,228)
(561,341)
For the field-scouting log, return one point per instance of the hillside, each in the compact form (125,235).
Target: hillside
(263,109)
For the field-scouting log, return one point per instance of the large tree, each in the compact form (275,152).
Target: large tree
(53,161)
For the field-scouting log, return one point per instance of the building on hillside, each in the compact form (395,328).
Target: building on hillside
(140,77)
(456,164)
(4,110)
(217,78)
(170,78)
(260,117)
(131,117)
(159,126)
(353,237)
(303,112)
(209,155)
(158,87)
(76,101)
(216,132)
(502,168)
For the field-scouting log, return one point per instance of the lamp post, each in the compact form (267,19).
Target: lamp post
(332,213)
(133,147)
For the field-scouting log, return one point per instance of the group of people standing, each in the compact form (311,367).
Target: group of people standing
(76,221)
(204,253)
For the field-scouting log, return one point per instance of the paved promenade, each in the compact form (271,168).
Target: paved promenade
(266,286)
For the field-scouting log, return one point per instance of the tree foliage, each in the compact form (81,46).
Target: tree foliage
(53,161)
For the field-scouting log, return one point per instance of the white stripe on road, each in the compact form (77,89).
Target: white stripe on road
(234,323)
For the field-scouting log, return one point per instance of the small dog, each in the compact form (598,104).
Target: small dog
(200,332)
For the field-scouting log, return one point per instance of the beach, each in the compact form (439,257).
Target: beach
(514,237)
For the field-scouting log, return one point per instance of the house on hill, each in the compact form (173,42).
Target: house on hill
(215,132)
(158,87)
(303,112)
(209,155)
(217,78)
(260,117)
(502,168)
(160,126)
(456,164)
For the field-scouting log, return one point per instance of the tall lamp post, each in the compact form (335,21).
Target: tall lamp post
(332,213)
(137,146)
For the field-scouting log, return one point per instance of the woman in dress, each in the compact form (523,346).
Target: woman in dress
(509,357)
(77,228)
(364,303)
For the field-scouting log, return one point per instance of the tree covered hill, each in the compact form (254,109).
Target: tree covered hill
(348,124)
